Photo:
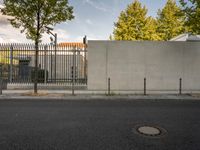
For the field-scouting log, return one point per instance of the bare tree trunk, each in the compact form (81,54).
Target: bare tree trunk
(36,68)
(36,53)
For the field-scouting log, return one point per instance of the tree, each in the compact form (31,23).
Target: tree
(151,30)
(191,9)
(133,24)
(110,37)
(170,21)
(33,16)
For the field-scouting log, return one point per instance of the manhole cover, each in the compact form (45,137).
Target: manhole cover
(150,131)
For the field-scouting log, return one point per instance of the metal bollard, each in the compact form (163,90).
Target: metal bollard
(109,86)
(1,80)
(180,86)
(145,88)
(73,93)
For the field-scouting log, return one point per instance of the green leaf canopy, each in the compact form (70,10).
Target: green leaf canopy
(191,9)
(134,24)
(32,16)
(170,21)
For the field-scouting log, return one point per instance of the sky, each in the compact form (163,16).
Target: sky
(93,18)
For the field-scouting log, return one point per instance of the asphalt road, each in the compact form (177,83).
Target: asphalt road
(98,125)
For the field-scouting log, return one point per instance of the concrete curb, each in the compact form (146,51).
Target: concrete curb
(89,95)
(97,97)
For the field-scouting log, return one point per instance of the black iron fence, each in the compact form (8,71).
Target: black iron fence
(65,63)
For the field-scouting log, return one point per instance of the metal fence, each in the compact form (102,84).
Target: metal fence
(63,64)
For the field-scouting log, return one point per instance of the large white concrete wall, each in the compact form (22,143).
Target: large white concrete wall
(128,63)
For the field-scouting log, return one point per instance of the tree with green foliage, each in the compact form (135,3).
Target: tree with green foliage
(151,30)
(170,21)
(33,16)
(191,9)
(133,24)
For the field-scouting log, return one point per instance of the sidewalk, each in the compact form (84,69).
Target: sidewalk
(89,95)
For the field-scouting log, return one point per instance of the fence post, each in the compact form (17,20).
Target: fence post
(145,86)
(85,57)
(108,86)
(180,86)
(11,63)
(1,80)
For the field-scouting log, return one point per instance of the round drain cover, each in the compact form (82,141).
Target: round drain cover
(150,131)
(147,130)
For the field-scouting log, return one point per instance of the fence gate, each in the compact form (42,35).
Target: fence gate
(61,64)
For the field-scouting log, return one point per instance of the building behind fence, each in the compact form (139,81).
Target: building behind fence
(62,64)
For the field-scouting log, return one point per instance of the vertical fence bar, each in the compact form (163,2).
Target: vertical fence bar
(45,64)
(180,86)
(48,63)
(63,57)
(85,58)
(51,64)
(55,57)
(1,80)
(85,64)
(75,76)
(68,65)
(60,66)
(11,64)
(145,88)
(39,65)
(73,71)
(109,86)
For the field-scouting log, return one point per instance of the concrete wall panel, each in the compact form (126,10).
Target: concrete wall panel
(97,63)
(128,63)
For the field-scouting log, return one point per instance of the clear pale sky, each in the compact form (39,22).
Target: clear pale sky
(94,18)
